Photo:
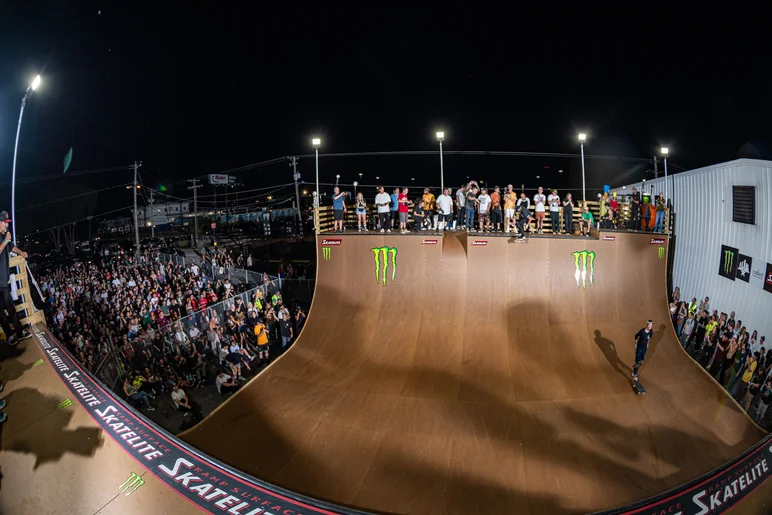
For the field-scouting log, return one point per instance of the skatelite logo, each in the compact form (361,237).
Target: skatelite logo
(132,484)
(609,238)
(428,242)
(479,243)
(585,262)
(657,241)
(384,256)
(332,241)
(728,260)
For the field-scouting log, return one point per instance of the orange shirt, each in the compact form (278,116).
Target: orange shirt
(262,334)
(495,200)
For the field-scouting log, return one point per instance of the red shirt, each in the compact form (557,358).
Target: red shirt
(403,208)
(614,204)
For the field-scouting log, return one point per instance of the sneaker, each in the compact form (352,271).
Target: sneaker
(241,378)
(150,408)
(387,230)
(360,229)
(25,335)
(12,340)
(3,403)
(186,414)
(382,231)
(3,417)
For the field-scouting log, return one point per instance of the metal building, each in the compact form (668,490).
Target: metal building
(723,237)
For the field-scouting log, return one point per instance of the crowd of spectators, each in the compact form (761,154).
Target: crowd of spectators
(173,326)
(736,357)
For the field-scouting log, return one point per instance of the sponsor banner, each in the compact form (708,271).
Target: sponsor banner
(715,493)
(758,273)
(479,243)
(768,279)
(218,178)
(210,485)
(606,237)
(428,242)
(332,241)
(728,263)
(744,268)
(657,241)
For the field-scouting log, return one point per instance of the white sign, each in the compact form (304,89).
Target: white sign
(758,271)
(217,178)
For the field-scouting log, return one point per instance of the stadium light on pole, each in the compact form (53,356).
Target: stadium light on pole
(441,138)
(582,139)
(665,151)
(32,87)
(316,142)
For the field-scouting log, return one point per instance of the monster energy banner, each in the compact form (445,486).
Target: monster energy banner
(214,487)
(584,261)
(385,258)
(728,263)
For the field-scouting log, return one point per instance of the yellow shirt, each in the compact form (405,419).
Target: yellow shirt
(262,335)
(749,370)
(510,199)
(428,199)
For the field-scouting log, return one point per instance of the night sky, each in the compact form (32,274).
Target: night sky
(196,90)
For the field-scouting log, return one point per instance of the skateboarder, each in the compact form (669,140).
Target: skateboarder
(642,338)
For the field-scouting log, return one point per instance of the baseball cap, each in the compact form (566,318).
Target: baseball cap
(4,217)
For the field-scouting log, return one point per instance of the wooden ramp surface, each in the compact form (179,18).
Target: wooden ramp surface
(479,375)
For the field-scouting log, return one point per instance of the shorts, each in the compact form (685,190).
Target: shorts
(402,217)
(496,216)
(234,358)
(445,218)
(509,213)
(361,211)
(338,213)
(540,215)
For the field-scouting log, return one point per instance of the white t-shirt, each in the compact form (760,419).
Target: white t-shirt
(554,202)
(194,269)
(445,202)
(382,198)
(485,201)
(176,396)
(539,199)
(221,380)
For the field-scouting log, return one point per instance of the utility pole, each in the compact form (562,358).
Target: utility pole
(152,214)
(296,175)
(195,187)
(136,223)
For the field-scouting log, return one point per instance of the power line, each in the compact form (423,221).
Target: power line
(41,178)
(76,196)
(129,207)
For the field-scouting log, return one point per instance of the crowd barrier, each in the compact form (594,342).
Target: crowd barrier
(219,272)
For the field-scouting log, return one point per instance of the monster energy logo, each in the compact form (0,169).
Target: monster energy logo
(728,260)
(326,251)
(382,256)
(661,252)
(583,261)
(66,403)
(130,485)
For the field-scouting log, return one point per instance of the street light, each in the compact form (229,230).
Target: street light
(316,142)
(582,139)
(441,138)
(32,87)
(665,151)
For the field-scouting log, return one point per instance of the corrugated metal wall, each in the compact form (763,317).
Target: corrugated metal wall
(702,200)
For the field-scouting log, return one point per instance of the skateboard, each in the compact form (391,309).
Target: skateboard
(638,387)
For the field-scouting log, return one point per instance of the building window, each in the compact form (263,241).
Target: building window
(744,204)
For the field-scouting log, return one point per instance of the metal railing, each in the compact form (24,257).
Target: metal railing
(219,271)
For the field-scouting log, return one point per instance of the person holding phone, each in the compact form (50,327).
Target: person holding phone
(6,301)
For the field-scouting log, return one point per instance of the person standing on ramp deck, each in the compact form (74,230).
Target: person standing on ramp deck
(642,338)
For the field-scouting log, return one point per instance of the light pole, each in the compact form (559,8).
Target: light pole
(582,139)
(665,152)
(316,142)
(32,87)
(441,138)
